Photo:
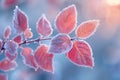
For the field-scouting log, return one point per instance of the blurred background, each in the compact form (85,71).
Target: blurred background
(105,42)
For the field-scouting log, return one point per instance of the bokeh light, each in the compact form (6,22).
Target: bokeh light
(113,2)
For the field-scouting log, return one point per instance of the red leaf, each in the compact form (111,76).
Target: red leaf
(0,43)
(11,47)
(20,20)
(81,54)
(29,58)
(44,58)
(9,3)
(28,33)
(6,65)
(7,32)
(44,27)
(61,43)
(87,28)
(18,39)
(66,20)
(3,76)
(11,57)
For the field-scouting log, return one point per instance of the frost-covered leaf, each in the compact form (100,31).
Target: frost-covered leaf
(11,47)
(9,3)
(18,39)
(66,20)
(87,28)
(20,20)
(44,58)
(3,76)
(29,58)
(81,54)
(7,32)
(61,43)
(10,57)
(7,65)
(44,27)
(28,33)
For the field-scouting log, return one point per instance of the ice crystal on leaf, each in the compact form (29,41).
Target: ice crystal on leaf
(28,33)
(7,65)
(43,58)
(10,57)
(66,20)
(17,39)
(29,58)
(20,20)
(81,54)
(61,43)
(7,32)
(44,27)
(11,47)
(86,29)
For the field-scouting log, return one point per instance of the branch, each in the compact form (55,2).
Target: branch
(30,41)
(34,40)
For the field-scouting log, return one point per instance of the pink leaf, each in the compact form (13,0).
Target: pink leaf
(44,58)
(81,54)
(3,76)
(11,47)
(66,20)
(0,44)
(28,33)
(44,27)
(9,56)
(20,20)
(7,32)
(9,3)
(6,65)
(61,43)
(29,58)
(18,39)
(87,28)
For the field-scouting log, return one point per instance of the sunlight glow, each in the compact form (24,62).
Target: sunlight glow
(113,2)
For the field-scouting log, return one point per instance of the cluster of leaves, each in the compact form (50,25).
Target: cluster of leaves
(76,50)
